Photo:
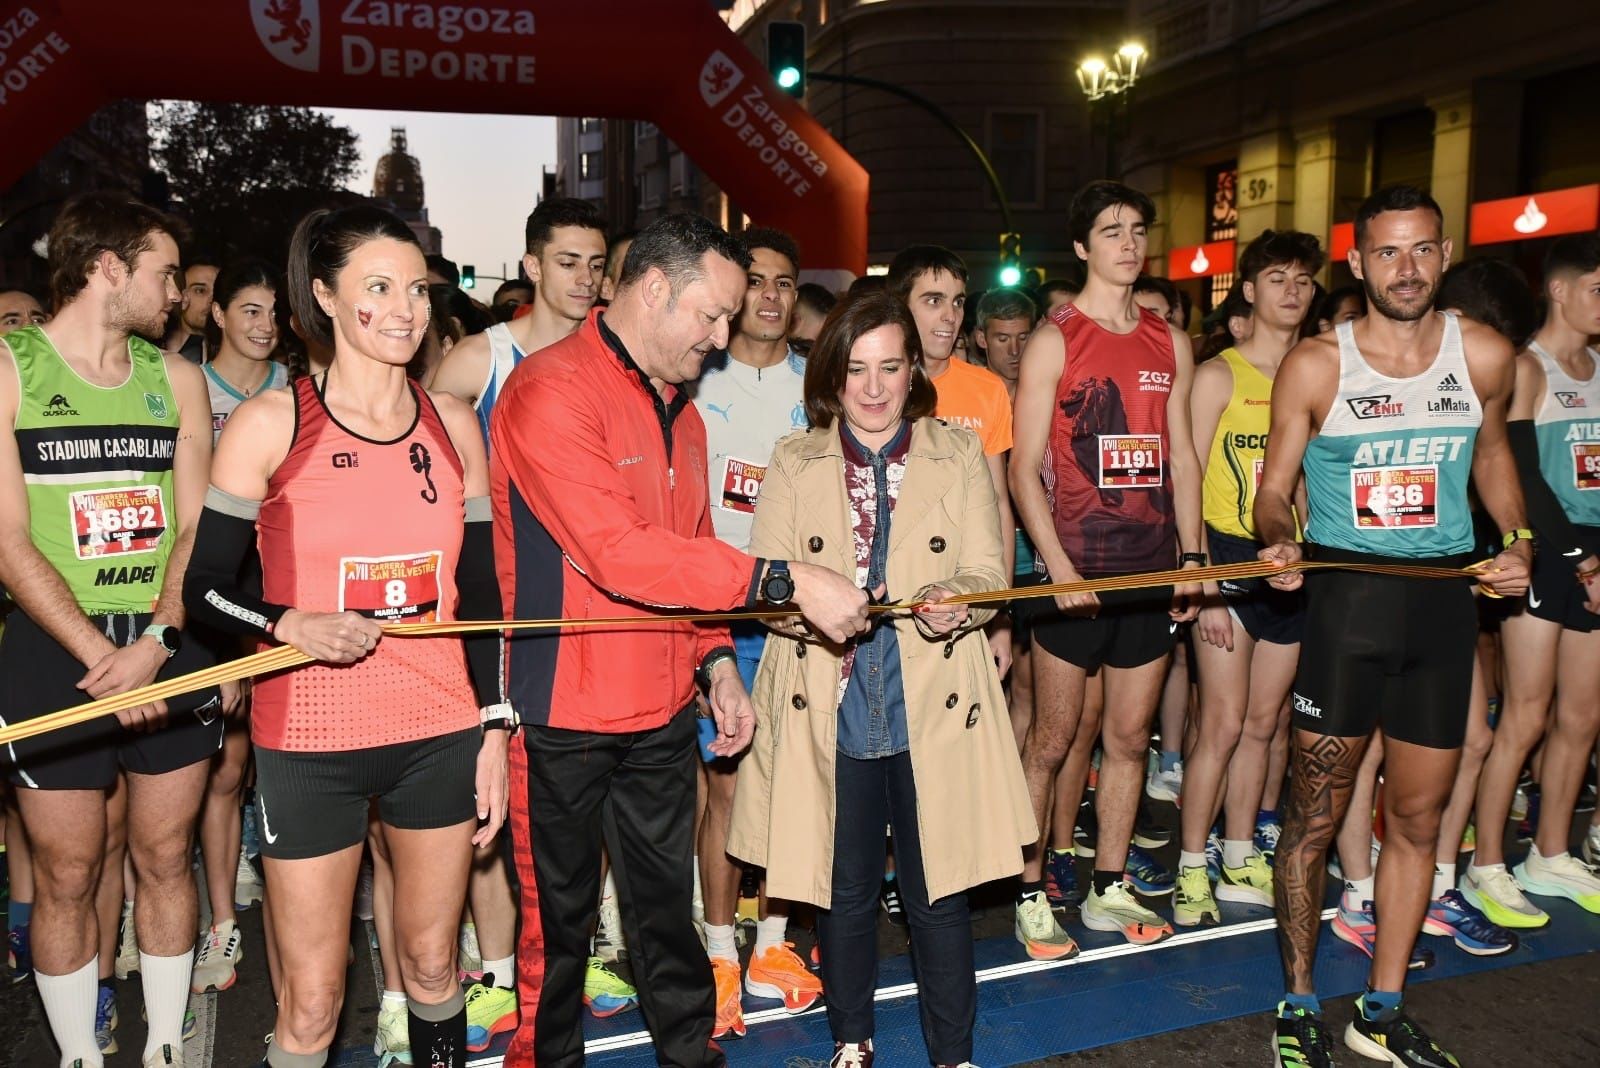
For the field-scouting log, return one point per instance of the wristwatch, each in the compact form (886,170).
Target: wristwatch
(167,637)
(702,674)
(777,588)
(1192,558)
(1513,536)
(500,717)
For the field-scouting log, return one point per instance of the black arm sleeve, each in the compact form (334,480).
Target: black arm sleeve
(212,590)
(478,589)
(1544,511)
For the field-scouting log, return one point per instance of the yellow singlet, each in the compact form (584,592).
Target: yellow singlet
(1238,451)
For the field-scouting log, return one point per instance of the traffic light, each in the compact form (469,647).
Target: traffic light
(786,56)
(1010,259)
(469,276)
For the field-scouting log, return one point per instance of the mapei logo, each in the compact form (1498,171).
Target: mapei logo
(719,77)
(1376,407)
(1566,398)
(59,405)
(1450,384)
(291,30)
(1304,706)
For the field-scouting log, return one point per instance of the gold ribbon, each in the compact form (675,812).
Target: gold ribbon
(285,657)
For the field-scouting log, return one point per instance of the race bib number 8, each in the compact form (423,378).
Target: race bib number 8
(741,485)
(391,588)
(1586,464)
(1130,460)
(1395,496)
(118,522)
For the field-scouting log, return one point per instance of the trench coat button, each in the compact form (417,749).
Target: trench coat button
(936,543)
(950,702)
(799,652)
(798,701)
(949,649)
(815,544)
(972,716)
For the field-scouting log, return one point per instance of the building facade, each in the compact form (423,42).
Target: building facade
(397,184)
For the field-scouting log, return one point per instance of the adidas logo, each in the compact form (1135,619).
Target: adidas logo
(1450,385)
(59,405)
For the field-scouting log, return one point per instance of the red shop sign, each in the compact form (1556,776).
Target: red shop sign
(1341,240)
(1560,211)
(1200,261)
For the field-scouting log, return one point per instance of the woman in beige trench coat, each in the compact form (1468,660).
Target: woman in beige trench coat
(907,725)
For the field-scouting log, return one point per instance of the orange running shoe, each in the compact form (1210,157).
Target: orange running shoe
(779,973)
(730,1015)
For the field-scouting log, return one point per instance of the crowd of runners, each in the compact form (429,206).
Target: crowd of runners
(206,459)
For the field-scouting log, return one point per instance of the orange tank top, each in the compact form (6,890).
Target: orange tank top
(375,527)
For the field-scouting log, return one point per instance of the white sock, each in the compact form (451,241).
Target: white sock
(1234,854)
(69,1004)
(393,999)
(1444,878)
(1187,859)
(770,932)
(719,941)
(1539,858)
(503,970)
(1357,892)
(166,996)
(608,891)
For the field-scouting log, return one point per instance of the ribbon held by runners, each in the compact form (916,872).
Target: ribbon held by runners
(285,657)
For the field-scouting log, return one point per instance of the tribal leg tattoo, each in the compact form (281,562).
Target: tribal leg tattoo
(1324,773)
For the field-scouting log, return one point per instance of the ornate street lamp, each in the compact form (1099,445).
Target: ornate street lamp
(1111,82)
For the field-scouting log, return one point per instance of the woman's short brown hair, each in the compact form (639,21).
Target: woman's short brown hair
(829,362)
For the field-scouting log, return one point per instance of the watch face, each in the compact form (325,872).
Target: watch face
(779,589)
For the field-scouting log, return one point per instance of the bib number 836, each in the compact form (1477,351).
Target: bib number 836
(1383,498)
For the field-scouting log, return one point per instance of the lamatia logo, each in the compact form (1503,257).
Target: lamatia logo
(291,30)
(719,77)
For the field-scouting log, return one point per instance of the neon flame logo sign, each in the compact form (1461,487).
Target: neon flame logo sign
(1532,220)
(1200,265)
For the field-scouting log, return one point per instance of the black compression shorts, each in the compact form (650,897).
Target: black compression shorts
(1132,628)
(1266,613)
(1555,593)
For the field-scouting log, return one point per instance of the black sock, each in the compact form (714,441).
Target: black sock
(1105,880)
(438,1044)
(1025,888)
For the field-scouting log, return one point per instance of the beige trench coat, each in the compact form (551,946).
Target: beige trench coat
(973,812)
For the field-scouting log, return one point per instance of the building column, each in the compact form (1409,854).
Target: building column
(1266,189)
(1330,176)
(1465,166)
(1179,194)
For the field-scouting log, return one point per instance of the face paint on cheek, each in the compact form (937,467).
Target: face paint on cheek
(364,317)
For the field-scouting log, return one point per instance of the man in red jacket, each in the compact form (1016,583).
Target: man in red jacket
(602,511)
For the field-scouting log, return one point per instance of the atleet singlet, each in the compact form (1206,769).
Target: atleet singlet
(352,524)
(98,461)
(1106,465)
(224,398)
(1238,451)
(504,355)
(1566,423)
(1387,473)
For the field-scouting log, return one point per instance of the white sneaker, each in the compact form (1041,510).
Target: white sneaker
(1493,891)
(1163,785)
(165,1057)
(1564,876)
(393,1042)
(1591,847)
(248,889)
(609,945)
(471,960)
(216,964)
(1118,910)
(127,945)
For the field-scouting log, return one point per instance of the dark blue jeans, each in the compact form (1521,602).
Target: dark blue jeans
(870,795)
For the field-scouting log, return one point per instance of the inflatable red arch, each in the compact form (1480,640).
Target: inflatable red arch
(671,62)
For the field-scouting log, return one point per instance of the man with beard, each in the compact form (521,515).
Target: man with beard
(1389,416)
(188,333)
(101,483)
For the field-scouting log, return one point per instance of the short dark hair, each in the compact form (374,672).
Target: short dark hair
(1099,195)
(1330,303)
(818,298)
(1058,285)
(509,284)
(238,275)
(560,211)
(1394,198)
(1573,254)
(829,361)
(1280,248)
(867,283)
(1163,287)
(675,244)
(103,221)
(1494,293)
(776,240)
(322,245)
(446,269)
(914,261)
(1004,304)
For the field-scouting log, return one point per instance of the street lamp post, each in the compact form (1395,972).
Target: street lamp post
(1112,83)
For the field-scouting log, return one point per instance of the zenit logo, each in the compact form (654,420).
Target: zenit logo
(1376,407)
(59,405)
(1304,706)
(1568,399)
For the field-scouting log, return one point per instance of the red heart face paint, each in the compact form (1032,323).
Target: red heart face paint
(364,317)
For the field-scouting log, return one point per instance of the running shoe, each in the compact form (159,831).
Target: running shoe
(1147,832)
(1396,1039)
(470,960)
(609,945)
(491,1010)
(249,827)
(19,953)
(1450,915)
(1564,876)
(1469,839)
(248,889)
(1586,798)
(1192,902)
(1163,785)
(1360,929)
(1519,800)
(1494,892)
(1083,839)
(127,945)
(604,991)
(167,1056)
(1591,847)
(1213,856)
(1118,910)
(393,1044)
(1147,874)
(1269,828)
(1248,885)
(1335,869)
(1302,1040)
(889,895)
(730,1014)
(1061,879)
(216,964)
(779,973)
(191,1026)
(1528,824)
(852,1055)
(105,1021)
(1040,934)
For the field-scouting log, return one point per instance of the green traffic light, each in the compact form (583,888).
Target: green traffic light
(1010,275)
(788,77)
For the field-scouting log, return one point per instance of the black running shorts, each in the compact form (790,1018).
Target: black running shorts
(1554,593)
(1267,614)
(313,804)
(39,676)
(1382,651)
(1132,628)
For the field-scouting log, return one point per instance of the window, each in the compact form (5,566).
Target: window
(589,125)
(1222,223)
(591,167)
(1014,140)
(1402,149)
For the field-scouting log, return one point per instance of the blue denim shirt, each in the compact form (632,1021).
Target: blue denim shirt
(872,713)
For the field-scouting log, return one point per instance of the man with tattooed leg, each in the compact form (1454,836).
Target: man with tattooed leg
(1389,416)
